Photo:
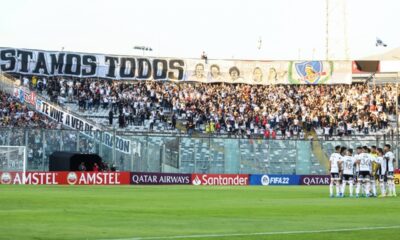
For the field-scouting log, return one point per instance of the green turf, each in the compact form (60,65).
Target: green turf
(110,212)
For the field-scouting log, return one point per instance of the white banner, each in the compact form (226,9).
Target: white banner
(87,65)
(90,130)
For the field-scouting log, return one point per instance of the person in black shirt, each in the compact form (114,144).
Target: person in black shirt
(82,167)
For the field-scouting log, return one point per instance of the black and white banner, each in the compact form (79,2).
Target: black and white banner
(71,121)
(52,63)
(86,65)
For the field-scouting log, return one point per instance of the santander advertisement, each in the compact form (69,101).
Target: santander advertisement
(220,179)
(65,178)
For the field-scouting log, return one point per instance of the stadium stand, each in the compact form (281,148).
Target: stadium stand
(15,114)
(230,123)
(239,110)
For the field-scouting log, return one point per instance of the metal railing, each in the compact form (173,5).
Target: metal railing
(182,154)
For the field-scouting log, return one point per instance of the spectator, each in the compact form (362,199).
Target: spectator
(82,167)
(95,167)
(239,108)
(110,117)
(15,114)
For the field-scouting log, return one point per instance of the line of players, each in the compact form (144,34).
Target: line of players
(364,169)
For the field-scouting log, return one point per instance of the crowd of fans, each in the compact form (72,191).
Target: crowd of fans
(22,126)
(235,109)
(15,114)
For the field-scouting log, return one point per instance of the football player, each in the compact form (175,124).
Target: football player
(348,163)
(390,161)
(334,161)
(364,162)
(381,172)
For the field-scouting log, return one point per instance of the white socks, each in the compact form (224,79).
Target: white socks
(383,189)
(337,189)
(344,186)
(367,188)
(373,187)
(358,188)
(351,188)
(391,187)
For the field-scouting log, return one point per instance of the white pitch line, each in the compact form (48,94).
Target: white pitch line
(259,233)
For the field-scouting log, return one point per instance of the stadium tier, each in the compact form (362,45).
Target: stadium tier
(241,110)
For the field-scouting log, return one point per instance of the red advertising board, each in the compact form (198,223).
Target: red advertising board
(160,178)
(220,179)
(64,178)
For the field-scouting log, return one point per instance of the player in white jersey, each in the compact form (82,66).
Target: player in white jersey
(357,157)
(381,171)
(390,160)
(348,163)
(334,162)
(373,169)
(364,162)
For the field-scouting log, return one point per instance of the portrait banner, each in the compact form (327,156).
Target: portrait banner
(141,68)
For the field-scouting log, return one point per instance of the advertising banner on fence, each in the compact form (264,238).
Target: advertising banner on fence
(220,179)
(83,65)
(397,179)
(66,178)
(271,179)
(160,178)
(315,180)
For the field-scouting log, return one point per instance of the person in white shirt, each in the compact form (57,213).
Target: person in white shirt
(357,167)
(381,172)
(348,162)
(364,163)
(334,161)
(25,81)
(390,161)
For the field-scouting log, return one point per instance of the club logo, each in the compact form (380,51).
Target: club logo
(72,178)
(265,180)
(310,72)
(196,181)
(5,178)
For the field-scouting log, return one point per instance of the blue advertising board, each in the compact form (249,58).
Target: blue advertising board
(273,179)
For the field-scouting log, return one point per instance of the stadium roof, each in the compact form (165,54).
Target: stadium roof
(391,55)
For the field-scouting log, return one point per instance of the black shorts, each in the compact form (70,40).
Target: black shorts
(364,175)
(335,176)
(347,177)
(390,175)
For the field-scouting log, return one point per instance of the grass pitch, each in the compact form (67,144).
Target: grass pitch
(192,212)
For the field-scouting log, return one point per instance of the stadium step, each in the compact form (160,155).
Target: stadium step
(317,149)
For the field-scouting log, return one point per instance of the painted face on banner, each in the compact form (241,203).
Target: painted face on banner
(234,73)
(214,71)
(257,75)
(272,75)
(199,71)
